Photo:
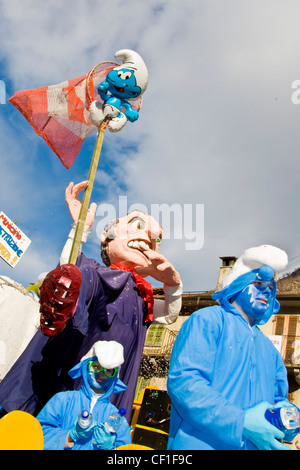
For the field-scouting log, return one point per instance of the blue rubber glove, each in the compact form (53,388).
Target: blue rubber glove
(105,440)
(77,433)
(289,434)
(259,431)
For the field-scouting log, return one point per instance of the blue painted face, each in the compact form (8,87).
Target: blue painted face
(255,298)
(99,381)
(122,84)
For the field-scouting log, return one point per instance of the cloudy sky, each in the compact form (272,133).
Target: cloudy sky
(219,129)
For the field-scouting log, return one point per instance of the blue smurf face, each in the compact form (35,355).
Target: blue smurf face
(99,381)
(255,298)
(122,84)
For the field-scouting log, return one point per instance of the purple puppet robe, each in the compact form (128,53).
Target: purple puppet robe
(110,307)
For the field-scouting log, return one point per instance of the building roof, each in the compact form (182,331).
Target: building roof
(289,284)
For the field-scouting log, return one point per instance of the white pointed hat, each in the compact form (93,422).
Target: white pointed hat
(133,61)
(110,354)
(255,258)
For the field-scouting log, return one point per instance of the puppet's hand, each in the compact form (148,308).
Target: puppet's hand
(74,205)
(159,268)
(102,89)
(131,114)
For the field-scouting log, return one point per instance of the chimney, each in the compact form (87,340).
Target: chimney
(227,263)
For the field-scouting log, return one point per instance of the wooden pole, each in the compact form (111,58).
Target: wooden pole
(87,195)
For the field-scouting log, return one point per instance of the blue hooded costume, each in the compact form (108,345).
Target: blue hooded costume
(59,414)
(221,366)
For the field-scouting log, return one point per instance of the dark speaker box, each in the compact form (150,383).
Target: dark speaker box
(152,428)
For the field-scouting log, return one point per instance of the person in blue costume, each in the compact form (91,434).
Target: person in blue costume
(98,371)
(224,372)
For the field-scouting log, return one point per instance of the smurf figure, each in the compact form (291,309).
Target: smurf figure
(123,83)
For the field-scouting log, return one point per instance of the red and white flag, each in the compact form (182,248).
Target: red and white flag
(60,113)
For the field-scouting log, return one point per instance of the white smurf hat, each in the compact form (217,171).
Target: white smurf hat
(110,354)
(255,258)
(133,61)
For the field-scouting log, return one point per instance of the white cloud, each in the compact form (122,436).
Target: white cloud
(217,126)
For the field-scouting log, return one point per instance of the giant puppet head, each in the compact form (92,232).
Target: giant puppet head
(251,285)
(122,85)
(127,242)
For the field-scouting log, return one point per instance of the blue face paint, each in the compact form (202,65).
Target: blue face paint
(99,381)
(232,292)
(255,298)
